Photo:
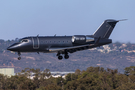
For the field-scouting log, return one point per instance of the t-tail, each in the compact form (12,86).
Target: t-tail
(106,28)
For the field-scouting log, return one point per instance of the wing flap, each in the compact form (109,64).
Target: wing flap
(77,48)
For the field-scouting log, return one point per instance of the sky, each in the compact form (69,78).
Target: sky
(22,18)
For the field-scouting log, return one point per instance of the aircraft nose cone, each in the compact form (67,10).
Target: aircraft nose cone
(12,47)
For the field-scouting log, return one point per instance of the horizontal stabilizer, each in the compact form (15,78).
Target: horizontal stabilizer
(122,20)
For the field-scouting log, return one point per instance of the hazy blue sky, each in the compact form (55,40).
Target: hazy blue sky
(20,18)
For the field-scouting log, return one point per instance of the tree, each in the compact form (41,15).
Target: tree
(3,82)
(129,70)
(77,71)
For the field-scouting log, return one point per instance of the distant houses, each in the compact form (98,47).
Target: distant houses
(121,48)
(55,74)
(10,72)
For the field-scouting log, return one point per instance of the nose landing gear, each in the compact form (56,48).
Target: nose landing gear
(19,58)
(19,54)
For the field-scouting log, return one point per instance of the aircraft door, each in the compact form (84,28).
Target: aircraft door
(35,42)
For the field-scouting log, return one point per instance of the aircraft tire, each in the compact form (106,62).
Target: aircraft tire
(60,57)
(66,56)
(19,58)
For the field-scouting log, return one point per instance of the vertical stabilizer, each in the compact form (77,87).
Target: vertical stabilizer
(105,29)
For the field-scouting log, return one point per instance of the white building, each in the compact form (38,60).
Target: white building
(7,71)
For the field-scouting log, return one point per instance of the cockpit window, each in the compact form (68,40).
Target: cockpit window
(24,40)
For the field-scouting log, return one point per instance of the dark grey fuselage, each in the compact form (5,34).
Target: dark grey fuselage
(44,44)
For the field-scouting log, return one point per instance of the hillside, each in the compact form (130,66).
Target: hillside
(114,56)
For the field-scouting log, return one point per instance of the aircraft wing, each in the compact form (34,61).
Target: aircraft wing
(73,49)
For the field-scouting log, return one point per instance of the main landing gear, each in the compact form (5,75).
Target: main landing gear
(19,54)
(66,56)
(60,57)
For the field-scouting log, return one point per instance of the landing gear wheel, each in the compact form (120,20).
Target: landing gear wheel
(19,54)
(19,58)
(66,56)
(60,57)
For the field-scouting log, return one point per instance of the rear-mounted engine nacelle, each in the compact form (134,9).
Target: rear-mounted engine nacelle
(81,39)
